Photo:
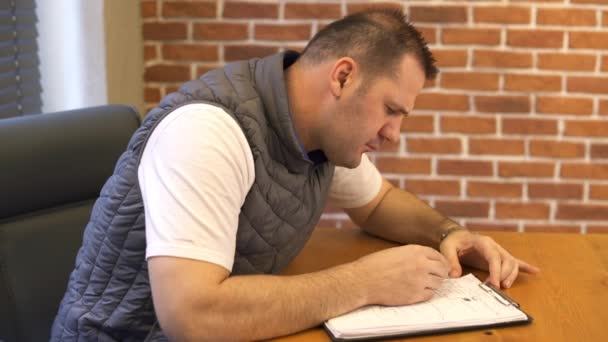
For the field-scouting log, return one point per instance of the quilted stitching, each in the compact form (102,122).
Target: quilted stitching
(108,292)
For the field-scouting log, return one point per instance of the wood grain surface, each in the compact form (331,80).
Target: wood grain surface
(568,299)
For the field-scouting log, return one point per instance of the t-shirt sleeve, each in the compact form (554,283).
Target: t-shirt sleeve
(194,175)
(351,188)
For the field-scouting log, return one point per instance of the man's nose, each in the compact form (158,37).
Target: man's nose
(391,131)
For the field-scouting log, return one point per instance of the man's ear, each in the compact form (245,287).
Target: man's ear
(342,74)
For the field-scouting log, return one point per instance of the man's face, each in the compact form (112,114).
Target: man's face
(363,120)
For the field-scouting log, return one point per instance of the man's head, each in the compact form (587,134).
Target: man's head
(377,40)
(357,79)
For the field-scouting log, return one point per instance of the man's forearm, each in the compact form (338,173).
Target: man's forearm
(261,306)
(402,217)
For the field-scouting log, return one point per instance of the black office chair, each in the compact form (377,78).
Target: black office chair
(52,167)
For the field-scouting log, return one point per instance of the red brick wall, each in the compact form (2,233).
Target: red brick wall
(513,135)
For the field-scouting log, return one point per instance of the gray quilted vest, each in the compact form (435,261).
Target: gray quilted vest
(108,296)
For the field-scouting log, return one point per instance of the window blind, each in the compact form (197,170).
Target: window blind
(19,75)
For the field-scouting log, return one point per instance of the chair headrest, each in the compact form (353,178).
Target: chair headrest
(57,158)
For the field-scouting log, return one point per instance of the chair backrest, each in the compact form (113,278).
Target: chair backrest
(52,167)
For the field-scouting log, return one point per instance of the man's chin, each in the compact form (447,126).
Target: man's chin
(349,164)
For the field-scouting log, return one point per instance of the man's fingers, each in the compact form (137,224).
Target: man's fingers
(434,282)
(510,277)
(494,263)
(522,265)
(527,268)
(425,295)
(508,263)
(453,263)
(433,254)
(439,269)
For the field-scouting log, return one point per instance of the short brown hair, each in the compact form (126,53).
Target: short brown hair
(377,39)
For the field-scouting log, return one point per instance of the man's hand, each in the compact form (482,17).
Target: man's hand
(403,275)
(482,252)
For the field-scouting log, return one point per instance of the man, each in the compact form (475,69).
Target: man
(225,180)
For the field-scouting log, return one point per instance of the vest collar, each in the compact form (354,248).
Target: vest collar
(270,79)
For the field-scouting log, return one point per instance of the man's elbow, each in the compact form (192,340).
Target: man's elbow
(177,325)
(193,310)
(201,326)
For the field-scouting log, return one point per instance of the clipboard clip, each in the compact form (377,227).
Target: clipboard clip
(498,295)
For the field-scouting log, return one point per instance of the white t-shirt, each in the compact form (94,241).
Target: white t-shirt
(194,175)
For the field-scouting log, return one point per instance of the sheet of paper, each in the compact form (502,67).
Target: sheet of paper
(458,302)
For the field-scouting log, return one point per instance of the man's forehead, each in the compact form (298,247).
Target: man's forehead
(409,67)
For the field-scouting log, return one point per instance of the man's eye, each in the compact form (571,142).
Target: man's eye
(390,111)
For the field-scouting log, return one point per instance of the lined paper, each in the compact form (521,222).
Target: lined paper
(459,302)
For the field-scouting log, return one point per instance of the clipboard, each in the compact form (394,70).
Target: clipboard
(497,294)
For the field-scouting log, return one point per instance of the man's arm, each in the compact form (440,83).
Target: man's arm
(192,213)
(197,300)
(399,216)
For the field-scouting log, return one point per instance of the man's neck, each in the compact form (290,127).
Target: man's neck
(302,105)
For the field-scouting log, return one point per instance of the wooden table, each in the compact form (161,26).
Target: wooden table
(568,299)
